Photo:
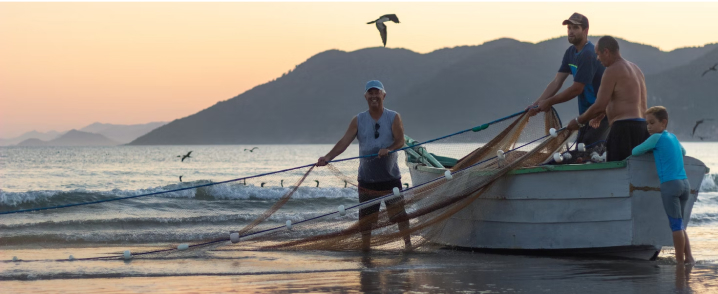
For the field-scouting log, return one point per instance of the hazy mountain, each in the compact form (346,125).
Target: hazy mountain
(436,93)
(73,138)
(122,133)
(688,97)
(32,142)
(30,135)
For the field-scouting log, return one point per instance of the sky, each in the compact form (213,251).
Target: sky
(67,65)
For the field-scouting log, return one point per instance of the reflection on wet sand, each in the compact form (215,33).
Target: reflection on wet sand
(441,271)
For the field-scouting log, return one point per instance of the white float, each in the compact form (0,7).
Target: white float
(234,237)
(182,247)
(127,254)
(557,157)
(581,147)
(342,211)
(448,175)
(500,154)
(289,224)
(553,132)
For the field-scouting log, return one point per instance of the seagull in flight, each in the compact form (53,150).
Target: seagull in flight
(251,150)
(698,122)
(185,156)
(712,68)
(382,27)
(180,178)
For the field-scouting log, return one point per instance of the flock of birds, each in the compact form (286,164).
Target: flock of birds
(188,155)
(244,182)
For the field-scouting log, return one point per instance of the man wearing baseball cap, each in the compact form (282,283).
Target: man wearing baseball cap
(379,131)
(580,61)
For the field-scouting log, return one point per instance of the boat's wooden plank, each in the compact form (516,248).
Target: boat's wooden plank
(548,211)
(605,183)
(481,234)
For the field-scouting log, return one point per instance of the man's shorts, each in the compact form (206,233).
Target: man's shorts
(590,136)
(623,137)
(369,191)
(675,194)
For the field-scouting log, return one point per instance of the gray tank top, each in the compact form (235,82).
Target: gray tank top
(374,169)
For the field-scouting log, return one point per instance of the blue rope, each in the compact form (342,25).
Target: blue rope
(378,199)
(249,177)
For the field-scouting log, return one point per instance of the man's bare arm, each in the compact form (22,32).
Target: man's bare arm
(342,145)
(553,87)
(603,97)
(571,92)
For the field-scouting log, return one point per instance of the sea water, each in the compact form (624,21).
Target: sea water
(50,176)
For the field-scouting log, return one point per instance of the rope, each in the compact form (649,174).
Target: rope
(255,176)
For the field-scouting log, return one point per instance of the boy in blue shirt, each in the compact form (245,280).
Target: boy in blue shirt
(668,154)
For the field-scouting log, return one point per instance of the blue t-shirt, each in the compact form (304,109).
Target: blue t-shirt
(668,154)
(586,69)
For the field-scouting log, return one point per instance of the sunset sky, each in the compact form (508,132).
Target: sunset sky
(67,65)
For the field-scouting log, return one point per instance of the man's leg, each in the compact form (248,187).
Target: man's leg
(368,216)
(397,214)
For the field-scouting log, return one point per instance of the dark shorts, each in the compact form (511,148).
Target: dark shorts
(395,205)
(675,195)
(623,137)
(590,136)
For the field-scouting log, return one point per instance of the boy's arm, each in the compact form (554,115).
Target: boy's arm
(646,146)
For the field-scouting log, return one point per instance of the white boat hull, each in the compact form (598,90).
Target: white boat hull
(607,208)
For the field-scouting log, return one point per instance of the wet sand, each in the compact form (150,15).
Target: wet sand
(225,269)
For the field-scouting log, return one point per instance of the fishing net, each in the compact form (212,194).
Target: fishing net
(440,178)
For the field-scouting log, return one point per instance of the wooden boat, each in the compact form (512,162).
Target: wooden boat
(610,208)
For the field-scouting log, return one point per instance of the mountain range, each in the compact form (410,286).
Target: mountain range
(436,93)
(111,134)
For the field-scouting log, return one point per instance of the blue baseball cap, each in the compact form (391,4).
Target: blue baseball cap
(374,84)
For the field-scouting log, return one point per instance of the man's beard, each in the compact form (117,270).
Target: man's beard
(577,40)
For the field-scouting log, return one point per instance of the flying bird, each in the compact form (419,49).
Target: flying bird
(180,178)
(185,156)
(407,185)
(712,68)
(382,27)
(698,122)
(251,150)
(317,183)
(281,183)
(262,185)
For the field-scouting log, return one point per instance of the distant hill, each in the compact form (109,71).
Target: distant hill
(688,97)
(32,142)
(122,133)
(30,135)
(436,93)
(73,138)
(119,134)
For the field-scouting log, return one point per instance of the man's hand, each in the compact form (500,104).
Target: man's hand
(539,106)
(573,125)
(596,122)
(532,109)
(383,152)
(323,161)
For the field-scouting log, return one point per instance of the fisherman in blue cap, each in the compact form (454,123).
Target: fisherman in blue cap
(379,131)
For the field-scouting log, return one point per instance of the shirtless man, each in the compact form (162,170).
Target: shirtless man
(622,98)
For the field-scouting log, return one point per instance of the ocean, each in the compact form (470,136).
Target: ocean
(33,177)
